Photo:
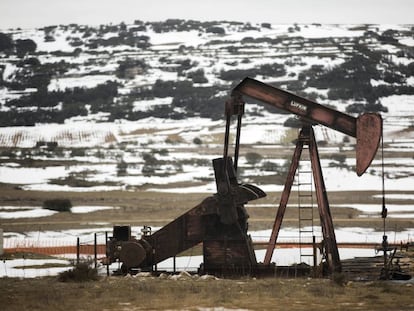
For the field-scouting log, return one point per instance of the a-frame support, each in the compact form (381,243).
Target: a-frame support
(306,136)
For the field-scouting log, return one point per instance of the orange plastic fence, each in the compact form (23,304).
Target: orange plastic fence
(57,250)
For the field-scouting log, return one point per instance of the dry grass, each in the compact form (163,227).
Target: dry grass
(156,209)
(156,294)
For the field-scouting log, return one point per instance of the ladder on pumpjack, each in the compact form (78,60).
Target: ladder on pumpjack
(304,184)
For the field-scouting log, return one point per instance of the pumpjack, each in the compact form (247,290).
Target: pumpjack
(220,222)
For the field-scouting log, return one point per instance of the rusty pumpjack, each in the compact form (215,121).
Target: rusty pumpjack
(219,222)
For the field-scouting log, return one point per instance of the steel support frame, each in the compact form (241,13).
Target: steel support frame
(306,136)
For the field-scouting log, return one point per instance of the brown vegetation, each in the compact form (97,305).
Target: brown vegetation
(116,293)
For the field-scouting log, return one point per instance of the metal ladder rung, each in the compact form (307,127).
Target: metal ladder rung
(304,184)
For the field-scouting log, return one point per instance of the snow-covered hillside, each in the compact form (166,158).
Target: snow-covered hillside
(130,104)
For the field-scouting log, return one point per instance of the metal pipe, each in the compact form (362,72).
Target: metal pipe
(77,250)
(106,251)
(95,251)
(237,147)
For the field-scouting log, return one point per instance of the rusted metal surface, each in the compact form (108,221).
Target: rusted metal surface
(219,222)
(308,110)
(284,199)
(367,128)
(328,232)
(306,136)
(369,133)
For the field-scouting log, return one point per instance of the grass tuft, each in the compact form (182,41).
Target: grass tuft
(82,272)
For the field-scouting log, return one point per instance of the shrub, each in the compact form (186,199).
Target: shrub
(162,152)
(197,141)
(216,30)
(82,272)
(339,278)
(77,152)
(129,68)
(6,42)
(121,168)
(270,166)
(293,122)
(253,158)
(197,76)
(24,46)
(59,205)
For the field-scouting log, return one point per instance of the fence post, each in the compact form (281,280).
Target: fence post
(1,242)
(315,257)
(95,251)
(77,250)
(106,253)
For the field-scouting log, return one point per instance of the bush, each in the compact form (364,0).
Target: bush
(77,152)
(129,68)
(197,76)
(197,141)
(270,166)
(293,122)
(339,278)
(82,272)
(6,42)
(24,46)
(216,30)
(59,205)
(121,168)
(253,158)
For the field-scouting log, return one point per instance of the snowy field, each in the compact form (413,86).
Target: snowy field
(107,144)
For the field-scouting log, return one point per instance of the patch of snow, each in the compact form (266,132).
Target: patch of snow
(377,208)
(407,41)
(89,209)
(327,31)
(396,196)
(146,105)
(89,81)
(33,212)
(49,187)
(30,175)
(403,215)
(14,268)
